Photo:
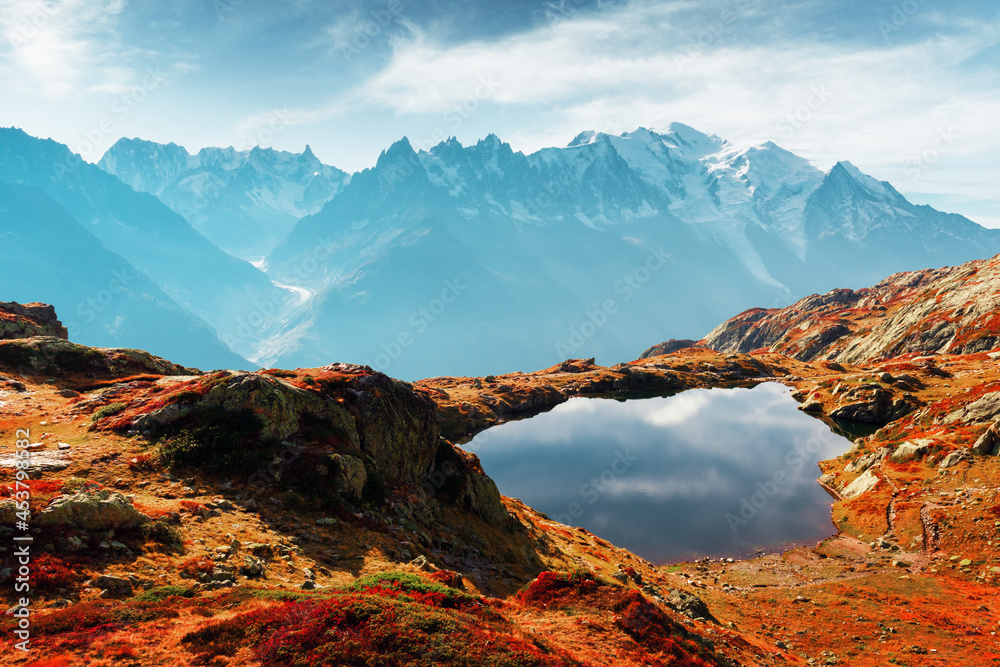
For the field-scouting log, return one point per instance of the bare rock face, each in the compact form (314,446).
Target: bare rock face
(950,310)
(29,320)
(103,510)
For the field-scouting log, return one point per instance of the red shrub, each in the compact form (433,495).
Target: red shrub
(448,578)
(650,627)
(363,629)
(552,588)
(49,573)
(197,565)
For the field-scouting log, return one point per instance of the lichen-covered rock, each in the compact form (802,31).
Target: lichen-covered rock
(8,512)
(29,320)
(59,358)
(280,405)
(349,475)
(397,427)
(102,510)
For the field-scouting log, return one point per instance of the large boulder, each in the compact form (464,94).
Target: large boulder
(102,510)
(989,442)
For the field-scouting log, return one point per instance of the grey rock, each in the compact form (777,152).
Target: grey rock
(689,605)
(103,510)
(989,442)
(114,587)
(984,409)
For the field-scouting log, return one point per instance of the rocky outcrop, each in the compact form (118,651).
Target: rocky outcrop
(80,365)
(29,320)
(345,427)
(877,405)
(101,510)
(950,310)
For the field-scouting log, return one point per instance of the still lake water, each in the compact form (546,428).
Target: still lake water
(708,472)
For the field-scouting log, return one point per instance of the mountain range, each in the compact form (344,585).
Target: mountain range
(472,259)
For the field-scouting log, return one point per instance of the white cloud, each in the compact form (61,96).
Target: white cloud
(644,64)
(55,48)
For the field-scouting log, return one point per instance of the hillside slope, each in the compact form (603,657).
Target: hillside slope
(952,310)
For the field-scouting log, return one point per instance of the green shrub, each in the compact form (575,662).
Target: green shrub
(161,593)
(108,410)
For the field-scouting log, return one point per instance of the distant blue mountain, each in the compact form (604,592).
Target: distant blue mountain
(243,201)
(105,301)
(218,288)
(544,242)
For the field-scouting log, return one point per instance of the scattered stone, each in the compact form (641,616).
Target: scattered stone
(252,568)
(954,458)
(989,442)
(308,585)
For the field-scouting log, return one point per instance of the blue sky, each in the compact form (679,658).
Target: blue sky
(906,89)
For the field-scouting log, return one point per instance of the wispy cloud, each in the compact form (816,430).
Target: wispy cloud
(58,47)
(715,66)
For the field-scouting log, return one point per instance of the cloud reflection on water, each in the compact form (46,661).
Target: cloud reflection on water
(696,456)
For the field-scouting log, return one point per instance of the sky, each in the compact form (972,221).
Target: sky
(907,90)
